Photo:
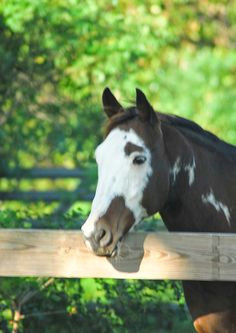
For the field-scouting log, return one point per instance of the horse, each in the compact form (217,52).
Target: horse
(154,162)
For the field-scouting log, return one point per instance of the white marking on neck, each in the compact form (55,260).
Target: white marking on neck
(210,198)
(190,168)
(118,176)
(175,170)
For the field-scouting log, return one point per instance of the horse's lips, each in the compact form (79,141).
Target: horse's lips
(100,251)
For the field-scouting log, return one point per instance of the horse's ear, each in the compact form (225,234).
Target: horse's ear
(110,104)
(144,108)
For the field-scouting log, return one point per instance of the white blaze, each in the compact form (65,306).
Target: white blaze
(118,176)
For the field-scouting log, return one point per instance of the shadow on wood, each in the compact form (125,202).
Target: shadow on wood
(129,258)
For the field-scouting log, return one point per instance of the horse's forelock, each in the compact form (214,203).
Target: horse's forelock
(120,118)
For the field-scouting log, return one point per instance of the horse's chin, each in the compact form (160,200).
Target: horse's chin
(103,252)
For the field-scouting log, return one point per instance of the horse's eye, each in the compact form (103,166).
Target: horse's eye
(139,159)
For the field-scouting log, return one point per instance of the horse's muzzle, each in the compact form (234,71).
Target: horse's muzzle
(101,241)
(100,250)
(103,235)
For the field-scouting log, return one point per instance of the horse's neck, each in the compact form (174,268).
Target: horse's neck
(202,194)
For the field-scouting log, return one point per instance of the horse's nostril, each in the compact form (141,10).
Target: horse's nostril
(99,235)
(106,239)
(103,237)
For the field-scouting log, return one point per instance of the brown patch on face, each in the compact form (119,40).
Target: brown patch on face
(118,216)
(111,227)
(131,148)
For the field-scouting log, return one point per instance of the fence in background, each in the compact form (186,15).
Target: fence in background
(66,198)
(48,196)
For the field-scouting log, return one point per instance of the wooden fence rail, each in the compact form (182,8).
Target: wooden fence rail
(58,253)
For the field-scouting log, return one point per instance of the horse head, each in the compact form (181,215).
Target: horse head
(133,173)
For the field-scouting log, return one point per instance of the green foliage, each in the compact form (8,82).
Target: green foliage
(56,57)
(113,306)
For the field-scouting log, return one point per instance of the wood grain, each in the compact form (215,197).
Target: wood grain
(58,253)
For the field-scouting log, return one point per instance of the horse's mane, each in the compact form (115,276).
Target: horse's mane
(197,133)
(188,127)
